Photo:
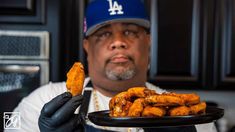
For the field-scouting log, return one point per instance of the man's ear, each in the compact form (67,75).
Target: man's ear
(86,45)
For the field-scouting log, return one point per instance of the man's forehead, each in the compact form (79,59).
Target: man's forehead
(107,25)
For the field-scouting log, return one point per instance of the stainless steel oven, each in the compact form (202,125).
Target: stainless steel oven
(24,55)
(24,65)
(27,75)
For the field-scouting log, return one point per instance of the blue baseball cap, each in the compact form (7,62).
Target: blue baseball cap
(102,12)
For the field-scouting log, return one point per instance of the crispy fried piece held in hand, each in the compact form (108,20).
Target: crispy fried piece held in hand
(179,111)
(150,111)
(75,79)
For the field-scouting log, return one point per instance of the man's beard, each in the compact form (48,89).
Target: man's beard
(125,73)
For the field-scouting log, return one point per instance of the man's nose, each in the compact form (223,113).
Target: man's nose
(118,43)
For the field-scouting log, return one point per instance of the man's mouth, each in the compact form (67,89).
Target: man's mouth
(119,59)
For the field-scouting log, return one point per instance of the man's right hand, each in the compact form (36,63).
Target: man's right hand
(58,114)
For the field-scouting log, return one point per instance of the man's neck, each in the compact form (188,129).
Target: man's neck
(111,88)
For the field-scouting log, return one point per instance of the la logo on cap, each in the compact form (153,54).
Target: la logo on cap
(115,8)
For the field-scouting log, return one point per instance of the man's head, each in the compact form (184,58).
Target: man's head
(102,12)
(117,43)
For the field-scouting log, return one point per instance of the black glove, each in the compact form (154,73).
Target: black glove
(58,114)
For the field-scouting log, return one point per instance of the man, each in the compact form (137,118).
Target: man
(117,43)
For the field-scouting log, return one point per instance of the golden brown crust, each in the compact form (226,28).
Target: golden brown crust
(140,101)
(75,79)
(179,111)
(140,92)
(189,98)
(150,111)
(119,105)
(198,108)
(164,100)
(136,108)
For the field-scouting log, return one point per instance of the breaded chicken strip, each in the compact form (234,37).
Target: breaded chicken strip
(198,108)
(136,108)
(164,100)
(179,111)
(150,111)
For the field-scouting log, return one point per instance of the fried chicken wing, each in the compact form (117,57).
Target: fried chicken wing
(189,98)
(198,108)
(75,79)
(120,110)
(136,108)
(150,111)
(140,101)
(120,104)
(164,100)
(179,111)
(140,92)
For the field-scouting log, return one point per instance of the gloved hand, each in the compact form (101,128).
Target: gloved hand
(58,114)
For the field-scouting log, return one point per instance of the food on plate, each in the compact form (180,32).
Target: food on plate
(75,79)
(150,111)
(189,98)
(164,100)
(140,92)
(198,108)
(136,108)
(179,111)
(141,101)
(120,104)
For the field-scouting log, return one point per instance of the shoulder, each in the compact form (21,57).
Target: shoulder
(31,105)
(154,87)
(49,91)
(43,94)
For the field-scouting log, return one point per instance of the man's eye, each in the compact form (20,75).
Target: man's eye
(104,34)
(130,33)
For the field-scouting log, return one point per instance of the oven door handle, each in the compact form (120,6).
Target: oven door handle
(19,68)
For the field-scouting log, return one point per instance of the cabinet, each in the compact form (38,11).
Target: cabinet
(224,71)
(192,44)
(23,11)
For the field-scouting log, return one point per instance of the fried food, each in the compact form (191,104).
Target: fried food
(164,100)
(189,99)
(150,111)
(198,108)
(75,79)
(140,92)
(119,99)
(121,110)
(120,104)
(140,101)
(136,108)
(179,111)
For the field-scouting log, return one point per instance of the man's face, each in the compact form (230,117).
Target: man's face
(118,51)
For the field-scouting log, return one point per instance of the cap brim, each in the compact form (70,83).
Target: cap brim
(140,22)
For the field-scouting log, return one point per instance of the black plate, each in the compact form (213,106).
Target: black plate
(102,118)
